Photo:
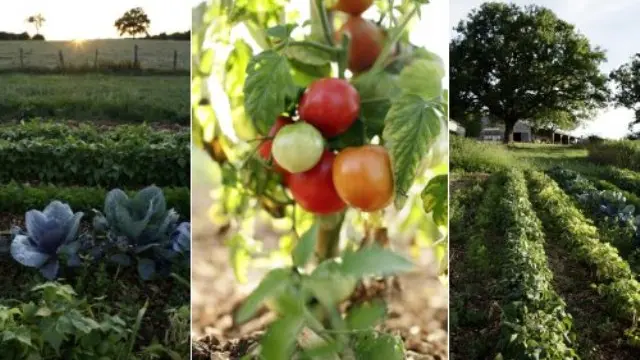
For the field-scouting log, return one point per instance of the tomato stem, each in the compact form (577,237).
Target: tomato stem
(324,18)
(322,47)
(328,238)
(396,34)
(343,55)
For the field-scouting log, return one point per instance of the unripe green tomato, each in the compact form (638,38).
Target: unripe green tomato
(297,147)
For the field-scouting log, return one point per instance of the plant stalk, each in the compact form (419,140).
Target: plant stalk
(324,19)
(328,238)
(397,33)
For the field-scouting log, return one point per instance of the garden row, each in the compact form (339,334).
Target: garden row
(92,133)
(108,163)
(624,154)
(616,217)
(615,283)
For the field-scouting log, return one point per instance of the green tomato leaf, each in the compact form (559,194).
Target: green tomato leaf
(305,247)
(411,127)
(281,31)
(376,93)
(280,339)
(374,260)
(372,345)
(367,315)
(308,55)
(354,136)
(267,88)
(422,77)
(271,285)
(435,198)
(235,68)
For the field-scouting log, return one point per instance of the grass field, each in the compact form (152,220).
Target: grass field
(95,97)
(545,250)
(152,54)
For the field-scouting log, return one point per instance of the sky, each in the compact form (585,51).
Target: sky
(611,24)
(81,19)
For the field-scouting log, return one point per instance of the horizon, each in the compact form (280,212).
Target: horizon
(63,25)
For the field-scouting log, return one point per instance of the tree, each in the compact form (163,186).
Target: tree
(133,22)
(37,20)
(516,63)
(627,94)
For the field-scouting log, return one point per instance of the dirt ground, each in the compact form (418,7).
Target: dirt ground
(417,305)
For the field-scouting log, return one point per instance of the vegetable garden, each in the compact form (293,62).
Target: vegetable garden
(544,252)
(94,218)
(322,145)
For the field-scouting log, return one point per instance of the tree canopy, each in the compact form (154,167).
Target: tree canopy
(133,22)
(627,81)
(523,63)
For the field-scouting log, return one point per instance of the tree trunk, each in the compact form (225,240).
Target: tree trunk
(508,131)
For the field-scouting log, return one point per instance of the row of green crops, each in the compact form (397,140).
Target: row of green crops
(624,179)
(615,217)
(532,312)
(616,282)
(108,163)
(17,199)
(93,133)
(624,154)
(606,185)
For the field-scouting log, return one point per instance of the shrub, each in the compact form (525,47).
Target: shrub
(624,154)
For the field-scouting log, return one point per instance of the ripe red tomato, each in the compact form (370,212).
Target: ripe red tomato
(265,147)
(366,43)
(353,7)
(362,177)
(331,105)
(314,189)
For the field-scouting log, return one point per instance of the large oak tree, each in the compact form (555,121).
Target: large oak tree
(627,94)
(516,63)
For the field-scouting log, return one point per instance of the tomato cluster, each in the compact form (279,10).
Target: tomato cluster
(367,39)
(320,180)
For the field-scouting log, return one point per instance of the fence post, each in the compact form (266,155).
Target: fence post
(61,59)
(95,61)
(175,60)
(135,56)
(21,58)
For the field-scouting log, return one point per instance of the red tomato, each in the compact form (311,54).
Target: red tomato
(265,147)
(366,43)
(314,189)
(331,105)
(353,7)
(363,178)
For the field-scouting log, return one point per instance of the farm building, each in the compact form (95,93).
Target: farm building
(522,132)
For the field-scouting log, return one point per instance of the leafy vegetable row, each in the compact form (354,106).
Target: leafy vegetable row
(624,154)
(617,218)
(624,179)
(107,163)
(89,132)
(533,313)
(17,199)
(616,282)
(140,230)
(606,185)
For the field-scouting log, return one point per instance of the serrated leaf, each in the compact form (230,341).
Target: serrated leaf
(422,77)
(376,90)
(354,136)
(365,316)
(307,55)
(411,127)
(267,88)
(305,247)
(273,283)
(374,260)
(378,346)
(435,198)
(281,31)
(279,340)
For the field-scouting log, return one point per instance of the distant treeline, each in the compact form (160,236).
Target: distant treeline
(162,36)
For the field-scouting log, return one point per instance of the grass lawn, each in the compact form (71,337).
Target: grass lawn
(95,97)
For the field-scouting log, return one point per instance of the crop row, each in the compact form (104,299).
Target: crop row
(607,185)
(624,154)
(107,164)
(616,282)
(625,179)
(17,199)
(92,133)
(533,313)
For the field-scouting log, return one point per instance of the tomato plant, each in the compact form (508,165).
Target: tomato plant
(376,124)
(353,7)
(363,178)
